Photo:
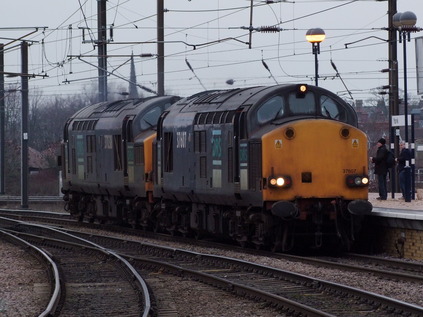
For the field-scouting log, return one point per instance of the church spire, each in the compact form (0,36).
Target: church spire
(133,91)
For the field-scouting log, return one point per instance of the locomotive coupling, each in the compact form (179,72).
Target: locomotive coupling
(284,210)
(360,207)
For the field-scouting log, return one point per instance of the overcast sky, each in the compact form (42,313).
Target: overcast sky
(220,23)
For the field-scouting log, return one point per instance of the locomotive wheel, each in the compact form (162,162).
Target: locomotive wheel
(282,242)
(171,230)
(156,226)
(198,235)
(275,248)
(243,242)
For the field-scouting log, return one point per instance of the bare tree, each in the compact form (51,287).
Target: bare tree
(13,114)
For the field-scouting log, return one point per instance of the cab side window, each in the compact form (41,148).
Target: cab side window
(270,110)
(149,120)
(331,109)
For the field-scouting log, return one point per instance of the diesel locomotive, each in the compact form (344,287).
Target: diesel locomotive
(277,167)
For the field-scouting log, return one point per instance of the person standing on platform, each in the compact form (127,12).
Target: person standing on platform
(381,168)
(403,160)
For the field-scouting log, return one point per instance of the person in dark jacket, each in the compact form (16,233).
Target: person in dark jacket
(381,168)
(404,159)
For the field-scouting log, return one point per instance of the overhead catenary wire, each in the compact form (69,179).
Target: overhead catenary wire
(268,69)
(339,75)
(195,75)
(212,65)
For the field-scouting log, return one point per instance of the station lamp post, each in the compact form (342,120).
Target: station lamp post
(405,23)
(315,36)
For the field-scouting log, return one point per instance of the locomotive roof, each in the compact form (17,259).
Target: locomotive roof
(110,115)
(109,109)
(253,98)
(232,99)
(224,100)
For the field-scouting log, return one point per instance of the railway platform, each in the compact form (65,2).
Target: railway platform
(395,227)
(398,208)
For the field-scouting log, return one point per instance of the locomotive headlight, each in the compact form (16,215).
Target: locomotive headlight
(357,180)
(280,181)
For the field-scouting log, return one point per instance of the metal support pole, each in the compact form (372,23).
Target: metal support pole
(160,47)
(407,168)
(393,83)
(250,37)
(316,51)
(102,50)
(413,160)
(404,35)
(2,122)
(24,124)
(407,185)
(393,169)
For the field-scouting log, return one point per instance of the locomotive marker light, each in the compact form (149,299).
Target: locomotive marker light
(357,181)
(280,181)
(315,37)
(301,90)
(405,23)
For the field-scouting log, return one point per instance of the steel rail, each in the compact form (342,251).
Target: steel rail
(132,270)
(57,290)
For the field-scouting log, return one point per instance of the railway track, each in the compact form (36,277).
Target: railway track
(384,267)
(97,282)
(286,290)
(163,301)
(227,279)
(56,287)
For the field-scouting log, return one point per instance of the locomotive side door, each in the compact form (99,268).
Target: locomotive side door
(240,150)
(64,158)
(128,150)
(158,155)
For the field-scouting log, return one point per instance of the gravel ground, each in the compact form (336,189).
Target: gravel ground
(21,280)
(17,296)
(23,283)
